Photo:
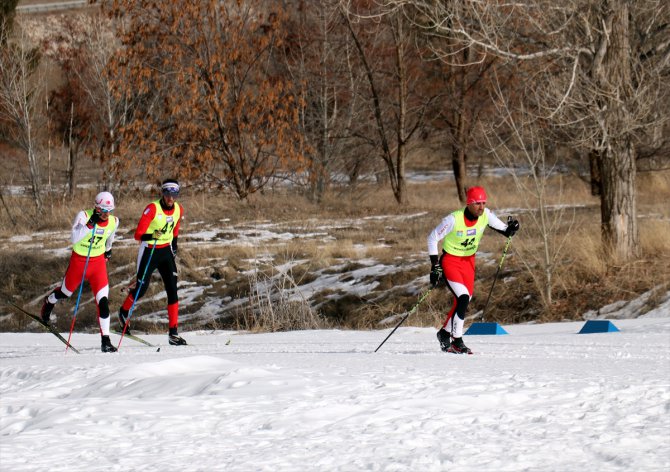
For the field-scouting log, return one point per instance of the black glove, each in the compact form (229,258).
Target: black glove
(93,220)
(512,227)
(151,236)
(174,246)
(108,255)
(435,271)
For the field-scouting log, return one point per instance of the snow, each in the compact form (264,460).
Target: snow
(542,398)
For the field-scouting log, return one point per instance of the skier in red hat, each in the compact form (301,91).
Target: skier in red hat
(460,233)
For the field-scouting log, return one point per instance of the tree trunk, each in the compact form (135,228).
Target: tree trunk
(613,75)
(459,156)
(34,169)
(72,148)
(400,188)
(460,174)
(618,202)
(401,155)
(73,151)
(595,165)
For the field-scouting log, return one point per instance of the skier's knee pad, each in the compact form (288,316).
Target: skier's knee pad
(103,307)
(462,305)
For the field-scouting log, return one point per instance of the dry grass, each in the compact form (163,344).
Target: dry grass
(351,225)
(276,305)
(654,239)
(653,192)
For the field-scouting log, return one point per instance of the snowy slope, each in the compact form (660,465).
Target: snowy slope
(542,398)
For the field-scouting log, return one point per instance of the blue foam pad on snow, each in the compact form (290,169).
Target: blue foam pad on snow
(485,328)
(598,326)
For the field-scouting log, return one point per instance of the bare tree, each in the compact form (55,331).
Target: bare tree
(602,73)
(69,111)
(391,63)
(464,78)
(20,101)
(524,146)
(322,60)
(108,110)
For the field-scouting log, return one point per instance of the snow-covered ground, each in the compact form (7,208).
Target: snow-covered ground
(542,398)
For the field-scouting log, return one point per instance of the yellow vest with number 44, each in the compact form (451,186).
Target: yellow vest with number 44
(464,240)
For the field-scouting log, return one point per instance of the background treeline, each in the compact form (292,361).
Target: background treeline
(236,94)
(234,97)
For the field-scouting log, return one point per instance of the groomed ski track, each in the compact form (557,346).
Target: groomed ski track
(542,398)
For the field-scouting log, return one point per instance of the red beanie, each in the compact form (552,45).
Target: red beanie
(475,195)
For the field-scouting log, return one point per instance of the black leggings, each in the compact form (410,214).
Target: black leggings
(163,260)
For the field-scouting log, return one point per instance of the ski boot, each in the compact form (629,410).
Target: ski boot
(46,310)
(459,347)
(445,339)
(174,339)
(123,318)
(106,345)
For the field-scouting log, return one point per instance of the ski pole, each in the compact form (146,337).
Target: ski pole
(495,277)
(81,286)
(412,310)
(139,287)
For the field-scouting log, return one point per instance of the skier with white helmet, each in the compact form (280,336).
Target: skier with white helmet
(93,233)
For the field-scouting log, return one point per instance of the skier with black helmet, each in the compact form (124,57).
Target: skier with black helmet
(461,232)
(158,233)
(93,233)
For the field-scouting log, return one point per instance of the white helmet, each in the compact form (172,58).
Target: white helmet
(104,201)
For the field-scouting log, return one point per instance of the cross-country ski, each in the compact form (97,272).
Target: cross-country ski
(45,326)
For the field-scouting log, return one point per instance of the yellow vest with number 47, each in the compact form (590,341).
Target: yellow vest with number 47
(99,238)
